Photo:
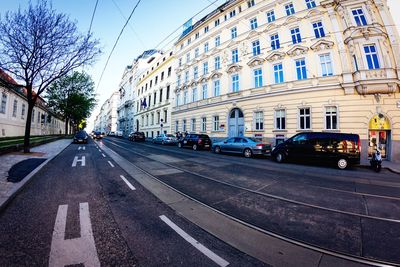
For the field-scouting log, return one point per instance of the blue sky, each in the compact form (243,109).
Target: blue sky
(152,21)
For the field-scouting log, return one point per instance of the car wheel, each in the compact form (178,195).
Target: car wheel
(194,147)
(280,157)
(247,153)
(217,150)
(342,163)
(180,145)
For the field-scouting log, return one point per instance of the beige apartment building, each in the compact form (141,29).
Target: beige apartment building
(153,95)
(270,69)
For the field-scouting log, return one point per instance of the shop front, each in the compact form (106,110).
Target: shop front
(379,135)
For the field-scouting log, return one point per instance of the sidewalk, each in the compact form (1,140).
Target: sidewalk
(392,166)
(47,151)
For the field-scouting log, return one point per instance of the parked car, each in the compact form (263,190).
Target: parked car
(137,136)
(111,133)
(81,137)
(119,133)
(340,148)
(165,139)
(97,135)
(195,141)
(247,146)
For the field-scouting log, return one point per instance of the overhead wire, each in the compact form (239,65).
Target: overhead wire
(94,12)
(115,44)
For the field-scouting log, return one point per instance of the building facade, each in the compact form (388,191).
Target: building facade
(125,109)
(153,91)
(106,120)
(270,69)
(14,110)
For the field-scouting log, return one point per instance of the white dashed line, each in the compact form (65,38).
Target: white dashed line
(214,257)
(103,155)
(109,162)
(99,150)
(127,183)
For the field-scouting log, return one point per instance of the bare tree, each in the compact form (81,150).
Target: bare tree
(38,46)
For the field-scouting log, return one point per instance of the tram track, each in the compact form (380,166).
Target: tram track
(355,258)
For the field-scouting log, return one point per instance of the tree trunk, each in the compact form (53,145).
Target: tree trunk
(28,124)
(66,125)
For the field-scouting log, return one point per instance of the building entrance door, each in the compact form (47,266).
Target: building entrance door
(379,135)
(236,123)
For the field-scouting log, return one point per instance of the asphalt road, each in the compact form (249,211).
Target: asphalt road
(90,211)
(354,212)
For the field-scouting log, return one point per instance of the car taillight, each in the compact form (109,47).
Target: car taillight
(200,141)
(260,145)
(359,145)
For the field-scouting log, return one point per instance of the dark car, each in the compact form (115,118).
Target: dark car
(137,136)
(195,141)
(247,146)
(81,137)
(97,135)
(340,148)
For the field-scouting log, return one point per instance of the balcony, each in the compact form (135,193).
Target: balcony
(376,81)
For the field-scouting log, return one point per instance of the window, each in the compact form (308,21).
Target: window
(296,37)
(232,13)
(187,76)
(161,95)
(326,65)
(280,119)
(187,58)
(178,80)
(216,22)
(215,123)
(158,117)
(235,56)
(167,96)
(184,125)
(258,82)
(271,16)
(189,41)
(217,41)
(318,29)
(235,82)
(33,116)
(278,73)
(205,68)
(304,119)
(165,116)
(177,100)
(359,17)
(152,119)
(331,118)
(310,4)
(23,111)
(301,69)
(180,62)
(205,29)
(3,103)
(217,62)
(204,91)
(197,35)
(275,42)
(372,57)
(204,124)
(38,117)
(194,94)
(15,107)
(289,8)
(185,97)
(216,88)
(155,98)
(250,3)
(176,126)
(193,125)
(256,47)
(169,71)
(253,23)
(233,33)
(195,72)
(196,52)
(205,47)
(259,120)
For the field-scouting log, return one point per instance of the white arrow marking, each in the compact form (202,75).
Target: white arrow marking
(73,251)
(127,183)
(76,160)
(214,257)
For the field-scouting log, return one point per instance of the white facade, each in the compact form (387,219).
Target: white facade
(106,120)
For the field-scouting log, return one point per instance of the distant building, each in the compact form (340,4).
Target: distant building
(270,69)
(14,109)
(106,120)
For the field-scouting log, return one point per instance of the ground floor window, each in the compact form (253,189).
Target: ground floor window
(204,124)
(304,118)
(331,118)
(215,123)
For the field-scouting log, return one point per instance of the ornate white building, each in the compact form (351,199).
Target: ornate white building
(106,120)
(270,69)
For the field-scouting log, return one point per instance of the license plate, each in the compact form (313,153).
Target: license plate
(184,142)
(206,145)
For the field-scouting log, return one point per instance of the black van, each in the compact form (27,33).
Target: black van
(341,148)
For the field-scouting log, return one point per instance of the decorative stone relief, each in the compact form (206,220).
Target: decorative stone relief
(297,50)
(322,45)
(255,62)
(232,68)
(274,56)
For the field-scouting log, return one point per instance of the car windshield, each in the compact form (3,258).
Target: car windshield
(80,134)
(253,139)
(170,135)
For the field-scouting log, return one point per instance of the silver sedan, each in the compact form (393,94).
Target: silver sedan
(165,139)
(246,146)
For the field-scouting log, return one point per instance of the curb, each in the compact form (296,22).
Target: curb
(4,201)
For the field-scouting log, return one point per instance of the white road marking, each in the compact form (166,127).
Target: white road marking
(103,155)
(83,148)
(76,160)
(109,162)
(79,148)
(80,250)
(99,150)
(127,183)
(214,257)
